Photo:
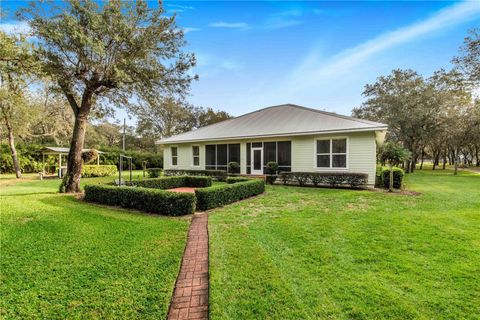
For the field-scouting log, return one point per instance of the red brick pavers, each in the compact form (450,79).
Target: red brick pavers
(190,296)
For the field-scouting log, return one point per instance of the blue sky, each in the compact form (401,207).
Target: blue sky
(318,54)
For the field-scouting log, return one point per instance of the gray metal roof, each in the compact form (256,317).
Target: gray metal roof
(61,150)
(282,120)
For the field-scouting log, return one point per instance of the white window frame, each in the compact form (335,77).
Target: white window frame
(171,156)
(331,154)
(194,156)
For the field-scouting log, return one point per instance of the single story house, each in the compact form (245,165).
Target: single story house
(299,139)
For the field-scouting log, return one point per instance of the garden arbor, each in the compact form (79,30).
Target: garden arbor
(61,153)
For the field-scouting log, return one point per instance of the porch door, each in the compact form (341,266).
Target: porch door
(257,161)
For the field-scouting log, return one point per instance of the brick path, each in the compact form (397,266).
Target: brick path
(190,297)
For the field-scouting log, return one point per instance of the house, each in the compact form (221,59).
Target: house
(299,139)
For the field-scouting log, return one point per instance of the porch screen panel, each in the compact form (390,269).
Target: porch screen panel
(284,155)
(222,157)
(210,157)
(234,154)
(248,158)
(269,152)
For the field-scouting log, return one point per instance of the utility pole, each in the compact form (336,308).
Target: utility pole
(124,125)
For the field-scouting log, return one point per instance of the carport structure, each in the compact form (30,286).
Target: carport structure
(60,152)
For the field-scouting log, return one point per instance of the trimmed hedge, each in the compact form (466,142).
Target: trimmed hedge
(219,175)
(221,195)
(231,180)
(103,170)
(398,175)
(154,172)
(332,179)
(174,182)
(145,199)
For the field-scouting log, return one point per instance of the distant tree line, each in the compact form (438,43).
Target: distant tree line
(436,117)
(85,59)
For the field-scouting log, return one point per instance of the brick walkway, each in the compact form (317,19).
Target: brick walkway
(190,297)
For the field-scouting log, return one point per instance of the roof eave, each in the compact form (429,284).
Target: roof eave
(307,133)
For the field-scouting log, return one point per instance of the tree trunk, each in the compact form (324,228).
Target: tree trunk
(74,162)
(390,185)
(421,157)
(436,160)
(444,162)
(11,143)
(477,156)
(455,162)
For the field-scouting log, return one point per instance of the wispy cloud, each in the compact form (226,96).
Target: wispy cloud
(15,27)
(314,68)
(229,25)
(175,8)
(190,29)
(348,69)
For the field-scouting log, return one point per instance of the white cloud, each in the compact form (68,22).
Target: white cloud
(315,69)
(230,25)
(179,6)
(15,27)
(190,29)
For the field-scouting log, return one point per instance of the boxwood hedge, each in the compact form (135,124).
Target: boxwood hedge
(174,182)
(145,199)
(332,179)
(98,170)
(219,175)
(217,196)
(231,180)
(397,177)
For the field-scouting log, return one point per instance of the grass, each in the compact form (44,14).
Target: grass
(64,258)
(305,253)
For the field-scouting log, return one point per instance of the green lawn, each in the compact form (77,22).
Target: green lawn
(64,258)
(304,253)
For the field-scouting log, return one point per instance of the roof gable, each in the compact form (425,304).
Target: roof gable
(287,119)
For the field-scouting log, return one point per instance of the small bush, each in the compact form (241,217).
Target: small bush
(148,200)
(154,172)
(174,182)
(103,170)
(271,178)
(89,156)
(332,179)
(271,168)
(221,195)
(219,175)
(231,180)
(397,177)
(233,167)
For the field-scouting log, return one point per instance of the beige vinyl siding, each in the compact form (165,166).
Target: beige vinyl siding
(361,155)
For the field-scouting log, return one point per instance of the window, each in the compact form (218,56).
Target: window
(277,151)
(174,152)
(331,153)
(217,156)
(196,155)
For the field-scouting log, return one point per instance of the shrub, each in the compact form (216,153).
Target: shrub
(98,170)
(148,200)
(231,180)
(219,175)
(332,179)
(233,167)
(154,172)
(271,178)
(221,195)
(271,167)
(174,182)
(89,156)
(397,177)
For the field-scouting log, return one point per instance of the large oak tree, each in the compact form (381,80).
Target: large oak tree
(104,55)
